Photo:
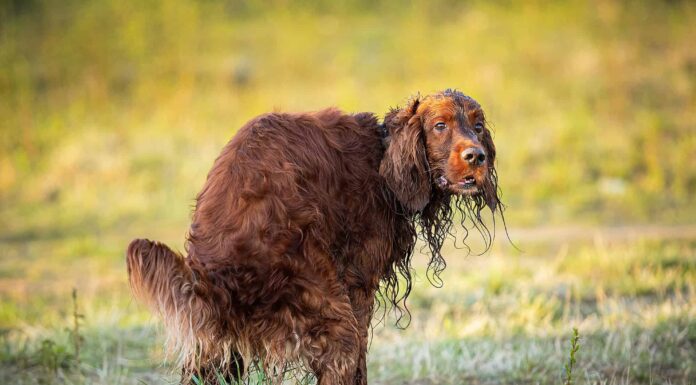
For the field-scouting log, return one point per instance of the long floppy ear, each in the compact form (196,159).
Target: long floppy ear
(405,163)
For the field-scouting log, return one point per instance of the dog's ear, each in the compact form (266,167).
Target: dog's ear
(405,163)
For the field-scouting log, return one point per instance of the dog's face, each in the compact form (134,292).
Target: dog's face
(458,144)
(440,142)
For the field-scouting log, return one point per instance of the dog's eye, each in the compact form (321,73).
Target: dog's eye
(478,127)
(440,126)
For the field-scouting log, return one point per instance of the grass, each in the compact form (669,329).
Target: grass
(502,317)
(574,347)
(112,115)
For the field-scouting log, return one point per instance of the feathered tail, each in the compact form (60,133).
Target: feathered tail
(158,276)
(161,278)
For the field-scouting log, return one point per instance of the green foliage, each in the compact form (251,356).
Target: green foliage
(574,347)
(592,103)
(52,356)
(75,336)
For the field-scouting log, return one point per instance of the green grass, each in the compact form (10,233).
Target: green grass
(503,317)
(112,114)
(574,347)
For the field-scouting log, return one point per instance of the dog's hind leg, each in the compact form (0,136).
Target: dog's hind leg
(211,372)
(334,343)
(338,347)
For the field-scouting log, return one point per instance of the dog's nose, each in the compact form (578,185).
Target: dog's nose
(474,155)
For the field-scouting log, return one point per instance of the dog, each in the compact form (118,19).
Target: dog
(304,222)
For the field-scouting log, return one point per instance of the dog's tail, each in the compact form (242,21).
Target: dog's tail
(158,276)
(161,278)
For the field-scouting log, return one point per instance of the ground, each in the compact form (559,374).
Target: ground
(502,317)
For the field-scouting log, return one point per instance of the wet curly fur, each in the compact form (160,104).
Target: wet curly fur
(305,226)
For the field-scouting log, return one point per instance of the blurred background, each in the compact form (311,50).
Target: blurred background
(112,112)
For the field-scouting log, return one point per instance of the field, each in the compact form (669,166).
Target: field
(503,317)
(111,115)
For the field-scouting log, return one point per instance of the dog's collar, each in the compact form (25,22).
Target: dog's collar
(384,134)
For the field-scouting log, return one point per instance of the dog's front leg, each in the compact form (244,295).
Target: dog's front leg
(362,300)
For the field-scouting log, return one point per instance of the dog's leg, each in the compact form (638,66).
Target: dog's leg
(362,301)
(333,345)
(361,278)
(338,350)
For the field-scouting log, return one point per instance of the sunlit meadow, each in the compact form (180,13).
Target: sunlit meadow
(112,112)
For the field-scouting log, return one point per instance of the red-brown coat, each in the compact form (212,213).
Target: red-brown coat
(302,220)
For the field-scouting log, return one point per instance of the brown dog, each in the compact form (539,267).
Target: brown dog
(303,220)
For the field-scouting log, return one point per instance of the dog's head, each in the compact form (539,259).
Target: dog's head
(440,144)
